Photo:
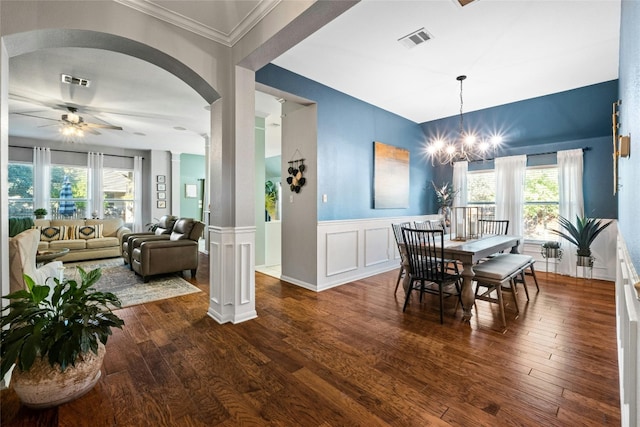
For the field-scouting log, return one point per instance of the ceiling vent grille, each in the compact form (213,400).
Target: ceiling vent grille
(463,3)
(78,81)
(414,39)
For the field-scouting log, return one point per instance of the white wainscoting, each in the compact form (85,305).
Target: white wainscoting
(349,250)
(627,311)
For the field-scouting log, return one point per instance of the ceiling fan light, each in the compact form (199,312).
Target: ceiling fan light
(73,118)
(470,139)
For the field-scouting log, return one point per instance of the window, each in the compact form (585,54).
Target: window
(20,186)
(117,186)
(118,194)
(541,198)
(65,204)
(481,192)
(541,202)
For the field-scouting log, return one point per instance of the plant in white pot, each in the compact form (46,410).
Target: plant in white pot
(56,340)
(582,234)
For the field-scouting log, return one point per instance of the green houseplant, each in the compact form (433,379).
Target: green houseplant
(582,234)
(56,339)
(40,213)
(270,198)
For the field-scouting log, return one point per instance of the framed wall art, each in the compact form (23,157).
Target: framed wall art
(191,191)
(162,195)
(160,178)
(391,177)
(162,204)
(161,187)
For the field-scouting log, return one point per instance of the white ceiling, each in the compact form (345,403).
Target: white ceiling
(510,50)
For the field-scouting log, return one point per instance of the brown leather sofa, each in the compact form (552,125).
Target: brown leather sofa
(162,232)
(178,253)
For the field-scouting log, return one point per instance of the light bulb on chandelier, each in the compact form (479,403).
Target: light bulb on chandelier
(467,147)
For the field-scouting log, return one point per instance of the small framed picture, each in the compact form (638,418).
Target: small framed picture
(161,187)
(160,178)
(162,204)
(191,191)
(162,195)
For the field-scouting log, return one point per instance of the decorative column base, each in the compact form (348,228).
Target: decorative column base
(232,289)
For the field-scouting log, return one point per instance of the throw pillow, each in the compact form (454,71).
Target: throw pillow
(87,232)
(51,233)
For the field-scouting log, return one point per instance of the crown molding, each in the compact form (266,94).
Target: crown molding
(244,26)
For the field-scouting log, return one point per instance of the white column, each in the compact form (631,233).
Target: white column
(207,190)
(174,195)
(232,229)
(232,274)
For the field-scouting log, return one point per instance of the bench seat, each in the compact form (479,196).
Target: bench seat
(496,272)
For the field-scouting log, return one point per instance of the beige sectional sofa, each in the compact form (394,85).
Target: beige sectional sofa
(86,239)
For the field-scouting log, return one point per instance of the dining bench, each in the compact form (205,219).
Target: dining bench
(496,272)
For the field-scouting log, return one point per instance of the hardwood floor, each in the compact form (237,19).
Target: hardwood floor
(350,356)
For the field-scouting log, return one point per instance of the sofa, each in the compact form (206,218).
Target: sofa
(178,253)
(161,231)
(86,239)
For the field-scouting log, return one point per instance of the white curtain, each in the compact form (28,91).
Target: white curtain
(41,178)
(460,183)
(95,205)
(510,173)
(571,201)
(137,194)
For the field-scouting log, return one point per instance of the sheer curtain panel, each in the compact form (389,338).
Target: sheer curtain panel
(510,174)
(137,194)
(42,178)
(95,205)
(571,201)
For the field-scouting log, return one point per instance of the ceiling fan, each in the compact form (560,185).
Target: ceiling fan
(72,124)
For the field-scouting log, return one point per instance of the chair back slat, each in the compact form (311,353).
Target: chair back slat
(493,226)
(397,231)
(425,249)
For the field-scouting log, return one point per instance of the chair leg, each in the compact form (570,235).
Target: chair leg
(406,299)
(399,278)
(513,284)
(441,303)
(535,279)
(524,284)
(501,304)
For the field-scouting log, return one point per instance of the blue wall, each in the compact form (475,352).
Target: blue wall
(573,119)
(347,128)
(629,72)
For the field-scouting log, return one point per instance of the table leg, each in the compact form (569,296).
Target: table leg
(468,296)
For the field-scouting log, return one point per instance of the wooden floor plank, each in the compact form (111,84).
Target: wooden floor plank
(351,356)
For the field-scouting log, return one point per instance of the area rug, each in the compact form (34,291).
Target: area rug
(127,285)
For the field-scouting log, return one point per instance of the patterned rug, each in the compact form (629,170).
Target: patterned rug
(127,285)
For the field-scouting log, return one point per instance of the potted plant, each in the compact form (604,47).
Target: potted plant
(551,249)
(582,234)
(270,199)
(56,339)
(40,213)
(445,196)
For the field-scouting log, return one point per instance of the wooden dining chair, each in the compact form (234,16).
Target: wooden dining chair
(397,232)
(493,226)
(427,270)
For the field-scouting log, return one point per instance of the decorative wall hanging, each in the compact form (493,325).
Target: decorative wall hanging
(296,170)
(391,177)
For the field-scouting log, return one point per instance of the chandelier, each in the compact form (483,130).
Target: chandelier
(467,147)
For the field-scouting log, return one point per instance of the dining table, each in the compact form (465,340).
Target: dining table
(469,253)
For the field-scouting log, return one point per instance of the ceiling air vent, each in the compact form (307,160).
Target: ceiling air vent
(78,81)
(414,39)
(463,3)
